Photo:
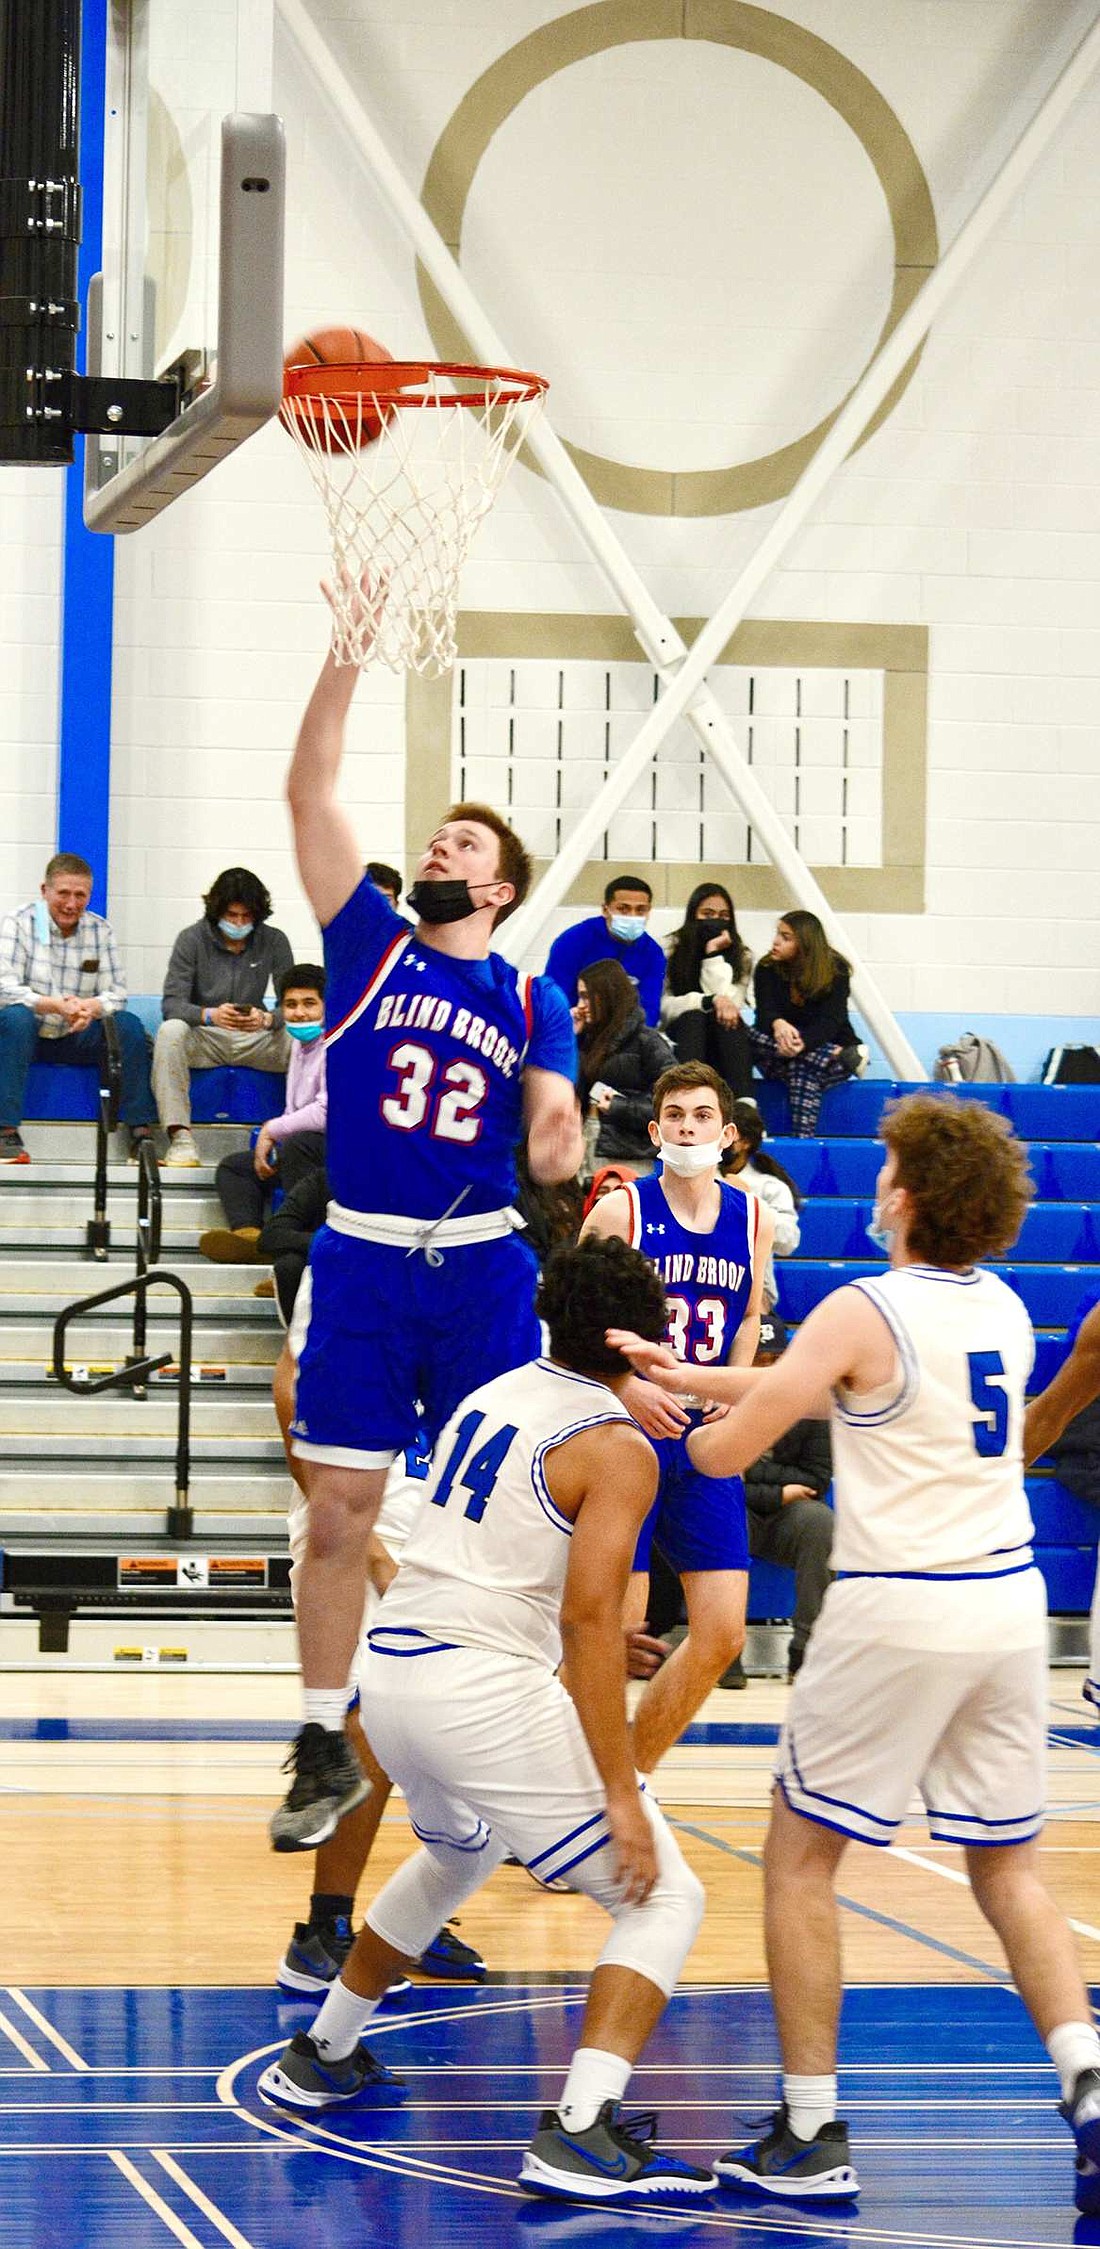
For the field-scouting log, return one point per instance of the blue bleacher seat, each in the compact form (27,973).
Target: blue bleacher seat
(229,1095)
(1060,1518)
(1053,1293)
(1069,1573)
(1050,1354)
(1066,1173)
(222,1096)
(1053,1112)
(771,1591)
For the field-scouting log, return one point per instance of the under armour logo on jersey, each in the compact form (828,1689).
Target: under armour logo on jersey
(654,1229)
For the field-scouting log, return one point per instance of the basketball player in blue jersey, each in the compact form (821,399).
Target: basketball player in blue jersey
(440,1057)
(523,1544)
(927,1669)
(710,1241)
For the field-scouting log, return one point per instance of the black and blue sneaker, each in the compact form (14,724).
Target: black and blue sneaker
(782,2164)
(611,2159)
(451,1960)
(303,2079)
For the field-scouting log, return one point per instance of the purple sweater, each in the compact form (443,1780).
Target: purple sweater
(306,1095)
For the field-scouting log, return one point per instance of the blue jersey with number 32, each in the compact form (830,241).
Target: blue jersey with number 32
(425,1057)
(708,1277)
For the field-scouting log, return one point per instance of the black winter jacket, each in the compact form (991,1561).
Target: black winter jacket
(632,1069)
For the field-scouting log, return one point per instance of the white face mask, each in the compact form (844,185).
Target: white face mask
(689,1162)
(879,1232)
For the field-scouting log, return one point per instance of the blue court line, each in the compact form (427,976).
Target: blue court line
(851,1905)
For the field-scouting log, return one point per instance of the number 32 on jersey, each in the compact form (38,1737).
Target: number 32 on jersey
(450,1100)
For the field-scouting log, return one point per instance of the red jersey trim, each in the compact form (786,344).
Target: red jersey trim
(389,961)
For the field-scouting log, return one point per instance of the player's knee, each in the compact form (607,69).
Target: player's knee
(715,1640)
(655,1937)
(416,1901)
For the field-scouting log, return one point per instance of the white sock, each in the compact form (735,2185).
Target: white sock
(811,2102)
(341,2022)
(594,2077)
(1073,2047)
(325,1706)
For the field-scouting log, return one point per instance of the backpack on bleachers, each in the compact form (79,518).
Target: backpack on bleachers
(1071,1065)
(971,1060)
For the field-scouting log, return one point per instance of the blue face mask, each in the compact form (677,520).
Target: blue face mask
(236,928)
(879,1233)
(306,1032)
(627,927)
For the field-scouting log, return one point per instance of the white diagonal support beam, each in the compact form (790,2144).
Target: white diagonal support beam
(686,693)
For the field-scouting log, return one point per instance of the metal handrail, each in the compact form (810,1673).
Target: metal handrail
(97,1233)
(179,1520)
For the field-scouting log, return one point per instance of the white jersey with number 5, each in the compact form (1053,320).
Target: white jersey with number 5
(485,1565)
(929,1471)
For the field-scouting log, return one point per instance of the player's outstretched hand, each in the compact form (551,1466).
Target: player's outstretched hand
(634,1848)
(644,1357)
(656,1414)
(361,604)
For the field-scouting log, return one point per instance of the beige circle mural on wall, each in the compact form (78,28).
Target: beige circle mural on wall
(590,31)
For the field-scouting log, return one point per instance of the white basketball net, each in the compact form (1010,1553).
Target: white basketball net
(403,508)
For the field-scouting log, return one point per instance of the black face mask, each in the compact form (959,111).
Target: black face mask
(714,925)
(441,901)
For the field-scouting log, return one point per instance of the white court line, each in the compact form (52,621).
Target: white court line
(202,2202)
(955,1874)
(18,2040)
(46,2028)
(149,2194)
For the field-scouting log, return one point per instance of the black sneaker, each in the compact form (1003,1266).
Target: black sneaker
(734,1675)
(613,2158)
(315,1955)
(328,1781)
(12,1146)
(302,2079)
(783,2164)
(447,1957)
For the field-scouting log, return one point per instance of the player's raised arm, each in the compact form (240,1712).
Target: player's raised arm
(1075,1386)
(325,843)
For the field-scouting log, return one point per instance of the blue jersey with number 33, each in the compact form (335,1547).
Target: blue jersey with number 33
(708,1277)
(425,1057)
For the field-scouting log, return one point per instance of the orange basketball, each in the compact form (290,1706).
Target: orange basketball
(335,347)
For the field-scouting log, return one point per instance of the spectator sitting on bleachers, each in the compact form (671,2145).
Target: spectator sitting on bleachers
(803,1033)
(219,1001)
(706,985)
(789,1522)
(621,1059)
(60,975)
(385,879)
(287,1147)
(617,933)
(745,1161)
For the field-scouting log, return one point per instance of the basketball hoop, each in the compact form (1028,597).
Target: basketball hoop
(407,459)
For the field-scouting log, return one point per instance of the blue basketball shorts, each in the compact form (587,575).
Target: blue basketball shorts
(699,1522)
(387,1344)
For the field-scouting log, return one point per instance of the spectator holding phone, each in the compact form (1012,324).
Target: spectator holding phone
(219,1001)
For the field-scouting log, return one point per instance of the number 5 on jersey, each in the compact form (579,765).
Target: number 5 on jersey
(457,1103)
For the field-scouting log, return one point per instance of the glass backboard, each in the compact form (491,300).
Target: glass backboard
(193,224)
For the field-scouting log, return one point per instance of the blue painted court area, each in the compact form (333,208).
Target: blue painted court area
(132,2117)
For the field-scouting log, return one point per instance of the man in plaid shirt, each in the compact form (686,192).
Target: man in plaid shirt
(59,976)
